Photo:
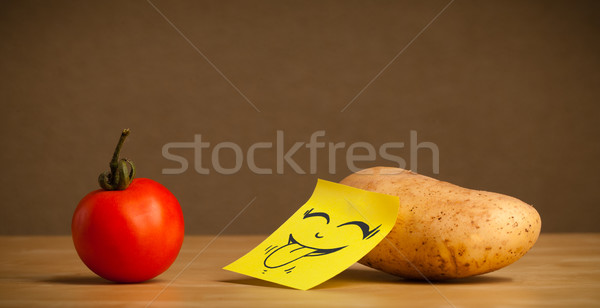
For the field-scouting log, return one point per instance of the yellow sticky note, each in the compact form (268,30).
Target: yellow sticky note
(336,227)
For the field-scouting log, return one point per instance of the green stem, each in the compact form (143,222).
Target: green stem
(119,177)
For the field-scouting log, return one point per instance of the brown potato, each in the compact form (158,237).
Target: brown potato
(445,231)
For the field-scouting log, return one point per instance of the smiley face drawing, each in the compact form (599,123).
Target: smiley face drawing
(318,242)
(336,227)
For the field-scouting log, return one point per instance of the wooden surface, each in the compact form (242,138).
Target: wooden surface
(562,270)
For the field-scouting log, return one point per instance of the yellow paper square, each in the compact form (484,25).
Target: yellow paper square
(336,227)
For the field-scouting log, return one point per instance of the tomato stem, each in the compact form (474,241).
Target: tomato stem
(119,177)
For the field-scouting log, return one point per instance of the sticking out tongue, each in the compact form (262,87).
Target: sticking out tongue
(293,251)
(287,254)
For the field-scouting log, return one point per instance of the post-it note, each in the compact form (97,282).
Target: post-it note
(336,227)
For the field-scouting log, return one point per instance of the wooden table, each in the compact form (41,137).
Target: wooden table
(562,270)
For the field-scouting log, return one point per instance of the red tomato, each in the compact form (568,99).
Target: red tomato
(129,235)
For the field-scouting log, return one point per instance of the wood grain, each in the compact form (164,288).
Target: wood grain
(562,270)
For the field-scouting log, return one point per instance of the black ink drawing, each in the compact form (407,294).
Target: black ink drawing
(292,251)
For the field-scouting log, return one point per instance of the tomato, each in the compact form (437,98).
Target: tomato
(128,235)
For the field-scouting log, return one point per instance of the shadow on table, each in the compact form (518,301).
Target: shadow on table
(356,276)
(468,280)
(87,280)
(255,282)
(353,276)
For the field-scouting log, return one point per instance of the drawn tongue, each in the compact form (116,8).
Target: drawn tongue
(287,254)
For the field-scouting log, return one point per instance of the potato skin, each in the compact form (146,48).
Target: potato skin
(445,231)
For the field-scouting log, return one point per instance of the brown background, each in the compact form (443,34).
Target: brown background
(507,90)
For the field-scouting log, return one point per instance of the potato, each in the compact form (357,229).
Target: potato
(445,231)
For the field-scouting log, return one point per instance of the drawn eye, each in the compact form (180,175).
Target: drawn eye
(367,232)
(310,213)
